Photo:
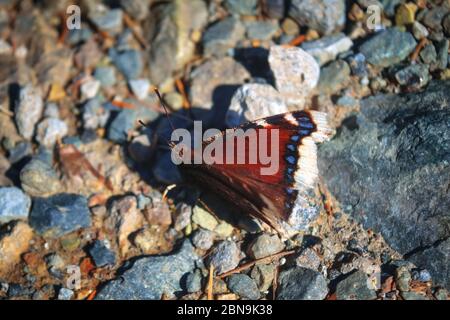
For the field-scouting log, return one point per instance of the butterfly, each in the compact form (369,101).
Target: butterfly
(278,198)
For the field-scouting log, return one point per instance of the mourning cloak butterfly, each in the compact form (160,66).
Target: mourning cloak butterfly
(277,199)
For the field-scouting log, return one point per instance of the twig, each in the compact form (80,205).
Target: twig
(7,112)
(180,86)
(210,282)
(247,265)
(130,24)
(275,282)
(418,48)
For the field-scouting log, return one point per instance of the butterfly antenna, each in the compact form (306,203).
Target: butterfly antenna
(161,101)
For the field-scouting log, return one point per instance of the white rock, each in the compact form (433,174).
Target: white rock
(28,110)
(254,101)
(140,88)
(90,88)
(327,49)
(296,73)
(49,130)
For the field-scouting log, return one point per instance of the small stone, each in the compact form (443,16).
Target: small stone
(38,178)
(274,9)
(203,239)
(56,93)
(141,148)
(327,48)
(428,54)
(402,278)
(243,286)
(308,258)
(215,73)
(49,130)
(334,76)
(290,27)
(357,63)
(224,229)
(140,88)
(106,76)
(296,73)
(265,245)
(122,123)
(94,115)
(355,287)
(109,21)
(414,76)
(433,18)
(166,272)
(174,100)
(347,101)
(149,240)
(60,214)
(20,151)
(242,7)
(183,218)
(263,275)
(13,244)
(225,256)
(89,88)
(129,62)
(422,275)
(28,110)
(261,30)
(419,30)
(301,284)
(442,54)
(405,14)
(137,9)
(222,35)
(65,294)
(70,242)
(194,281)
(324,16)
(446,25)
(388,47)
(124,219)
(441,294)
(51,110)
(102,254)
(14,204)
(54,260)
(77,36)
(254,101)
(204,219)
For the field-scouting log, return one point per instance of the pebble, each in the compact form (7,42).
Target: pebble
(14,204)
(28,110)
(301,284)
(325,16)
(14,242)
(295,71)
(164,170)
(388,47)
(225,256)
(327,48)
(183,217)
(290,27)
(204,219)
(263,275)
(208,78)
(109,21)
(334,76)
(254,101)
(428,54)
(274,9)
(357,63)
(194,281)
(60,214)
(174,100)
(141,148)
(419,30)
(129,62)
(65,294)
(106,76)
(224,230)
(203,239)
(243,286)
(102,254)
(355,287)
(441,294)
(433,18)
(405,14)
(49,130)
(402,278)
(347,101)
(20,151)
(89,88)
(261,30)
(308,258)
(77,36)
(442,54)
(221,36)
(38,178)
(422,275)
(166,271)
(265,245)
(140,88)
(247,7)
(94,115)
(446,25)
(51,110)
(414,76)
(123,122)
